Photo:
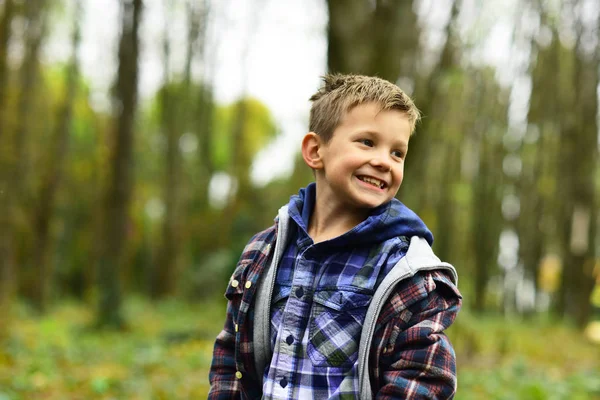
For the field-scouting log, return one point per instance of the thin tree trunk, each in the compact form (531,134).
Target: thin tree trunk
(7,265)
(120,178)
(237,171)
(53,174)
(543,114)
(36,29)
(578,212)
(203,120)
(582,254)
(5,34)
(486,215)
(163,284)
(20,176)
(531,236)
(445,242)
(485,207)
(547,113)
(203,109)
(429,100)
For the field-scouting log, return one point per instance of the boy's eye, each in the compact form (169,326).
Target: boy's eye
(398,154)
(366,142)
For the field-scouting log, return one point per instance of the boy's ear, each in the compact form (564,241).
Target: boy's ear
(310,150)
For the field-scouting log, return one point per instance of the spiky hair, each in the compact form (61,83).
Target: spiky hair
(340,93)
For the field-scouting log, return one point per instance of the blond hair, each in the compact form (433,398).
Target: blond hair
(340,93)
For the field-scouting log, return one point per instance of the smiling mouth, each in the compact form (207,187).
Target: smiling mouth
(372,181)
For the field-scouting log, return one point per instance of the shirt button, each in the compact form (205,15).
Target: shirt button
(299,293)
(234,283)
(289,339)
(238,375)
(248,284)
(283,382)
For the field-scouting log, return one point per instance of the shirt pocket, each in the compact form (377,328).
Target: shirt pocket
(336,322)
(236,284)
(280,293)
(235,290)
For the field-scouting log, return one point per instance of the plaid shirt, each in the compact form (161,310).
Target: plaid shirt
(410,357)
(330,285)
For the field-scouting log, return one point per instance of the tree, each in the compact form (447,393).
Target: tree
(536,195)
(7,268)
(5,34)
(117,196)
(170,101)
(21,177)
(578,212)
(54,172)
(372,38)
(178,101)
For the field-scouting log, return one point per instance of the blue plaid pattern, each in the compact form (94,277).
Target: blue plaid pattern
(409,358)
(320,300)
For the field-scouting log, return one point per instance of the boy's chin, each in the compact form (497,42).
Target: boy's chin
(370,205)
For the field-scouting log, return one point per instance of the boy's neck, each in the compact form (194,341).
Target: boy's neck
(330,222)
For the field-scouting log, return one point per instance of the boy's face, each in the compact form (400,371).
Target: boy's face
(362,165)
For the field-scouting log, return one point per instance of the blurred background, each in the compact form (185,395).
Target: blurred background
(143,142)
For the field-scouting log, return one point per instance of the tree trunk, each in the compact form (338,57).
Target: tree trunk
(118,194)
(582,212)
(372,39)
(201,110)
(446,210)
(238,170)
(5,34)
(543,114)
(578,210)
(21,178)
(163,284)
(531,236)
(486,206)
(7,266)
(53,174)
(203,122)
(429,91)
(36,30)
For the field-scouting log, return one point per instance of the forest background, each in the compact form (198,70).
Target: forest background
(131,180)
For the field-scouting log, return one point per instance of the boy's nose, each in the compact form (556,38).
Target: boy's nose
(381,163)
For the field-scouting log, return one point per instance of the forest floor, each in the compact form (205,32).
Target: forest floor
(165,353)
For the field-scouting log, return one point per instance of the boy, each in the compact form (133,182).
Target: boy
(342,298)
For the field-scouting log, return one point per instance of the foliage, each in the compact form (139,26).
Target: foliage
(521,380)
(165,353)
(513,358)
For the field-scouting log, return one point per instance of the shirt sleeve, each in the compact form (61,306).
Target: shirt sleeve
(223,382)
(423,362)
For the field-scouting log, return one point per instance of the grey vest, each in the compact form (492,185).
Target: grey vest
(419,257)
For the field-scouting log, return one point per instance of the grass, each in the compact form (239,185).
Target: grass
(524,359)
(165,354)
